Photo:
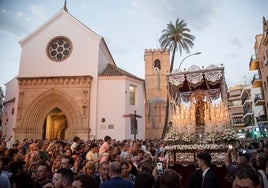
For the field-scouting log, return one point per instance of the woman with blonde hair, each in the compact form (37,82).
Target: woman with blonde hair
(89,168)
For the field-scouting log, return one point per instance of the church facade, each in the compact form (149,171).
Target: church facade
(69,85)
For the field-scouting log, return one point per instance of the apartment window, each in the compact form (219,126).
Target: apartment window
(132,94)
(265,87)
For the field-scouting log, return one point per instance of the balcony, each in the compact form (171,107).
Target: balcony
(259,100)
(248,113)
(238,122)
(236,110)
(246,101)
(262,119)
(256,81)
(254,63)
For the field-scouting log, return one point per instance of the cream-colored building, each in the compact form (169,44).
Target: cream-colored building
(235,107)
(259,64)
(253,114)
(69,85)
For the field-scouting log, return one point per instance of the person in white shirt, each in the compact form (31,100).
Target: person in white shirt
(209,179)
(75,143)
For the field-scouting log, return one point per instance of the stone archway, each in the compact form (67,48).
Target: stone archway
(43,106)
(55,125)
(38,97)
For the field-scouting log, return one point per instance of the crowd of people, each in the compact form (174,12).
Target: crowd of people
(111,163)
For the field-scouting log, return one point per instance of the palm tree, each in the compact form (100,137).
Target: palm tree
(175,36)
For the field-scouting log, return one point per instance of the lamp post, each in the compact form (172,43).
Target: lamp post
(197,53)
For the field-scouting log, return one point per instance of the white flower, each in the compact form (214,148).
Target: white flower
(195,146)
(229,134)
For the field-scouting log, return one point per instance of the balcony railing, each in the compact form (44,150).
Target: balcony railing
(246,102)
(256,81)
(259,100)
(238,120)
(262,118)
(248,111)
(254,62)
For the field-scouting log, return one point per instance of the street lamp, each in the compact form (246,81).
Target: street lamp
(197,53)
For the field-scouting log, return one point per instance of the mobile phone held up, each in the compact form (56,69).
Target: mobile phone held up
(159,168)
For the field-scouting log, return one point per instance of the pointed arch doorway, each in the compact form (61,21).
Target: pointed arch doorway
(55,125)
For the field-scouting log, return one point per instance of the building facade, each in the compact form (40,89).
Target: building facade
(259,64)
(235,107)
(69,85)
(253,114)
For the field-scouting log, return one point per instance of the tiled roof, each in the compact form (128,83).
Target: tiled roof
(112,70)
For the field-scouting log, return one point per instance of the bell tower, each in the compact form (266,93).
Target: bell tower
(157,65)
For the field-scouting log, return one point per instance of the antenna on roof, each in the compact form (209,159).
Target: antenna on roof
(65,6)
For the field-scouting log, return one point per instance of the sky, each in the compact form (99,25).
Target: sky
(224,30)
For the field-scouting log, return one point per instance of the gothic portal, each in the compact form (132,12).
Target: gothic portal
(53,107)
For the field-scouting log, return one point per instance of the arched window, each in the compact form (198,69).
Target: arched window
(157,64)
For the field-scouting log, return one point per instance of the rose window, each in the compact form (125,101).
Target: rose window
(59,49)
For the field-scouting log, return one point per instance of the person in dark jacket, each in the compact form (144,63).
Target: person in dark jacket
(43,176)
(19,178)
(116,180)
(209,179)
(195,179)
(84,181)
(103,174)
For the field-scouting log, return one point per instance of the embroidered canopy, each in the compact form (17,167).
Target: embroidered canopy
(209,82)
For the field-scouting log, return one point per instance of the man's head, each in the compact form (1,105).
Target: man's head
(242,162)
(170,178)
(115,169)
(76,139)
(104,170)
(108,139)
(144,180)
(203,159)
(246,178)
(43,172)
(93,147)
(261,160)
(265,149)
(18,167)
(84,181)
(67,162)
(5,163)
(63,178)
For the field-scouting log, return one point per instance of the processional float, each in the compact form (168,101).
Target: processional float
(199,114)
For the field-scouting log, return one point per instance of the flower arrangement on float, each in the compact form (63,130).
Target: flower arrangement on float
(174,137)
(229,135)
(188,138)
(177,140)
(213,137)
(195,147)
